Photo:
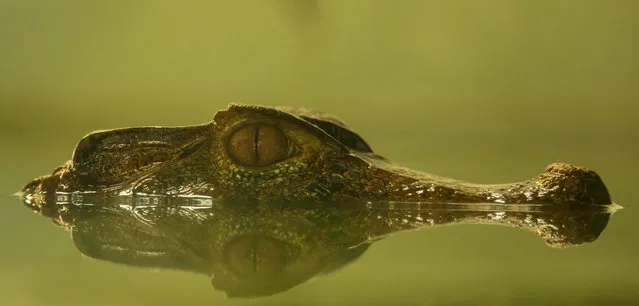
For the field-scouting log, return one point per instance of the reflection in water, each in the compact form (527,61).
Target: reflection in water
(250,251)
(262,199)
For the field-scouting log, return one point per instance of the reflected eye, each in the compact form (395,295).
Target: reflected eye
(258,145)
(255,256)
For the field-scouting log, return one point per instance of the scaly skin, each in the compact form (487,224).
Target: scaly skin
(324,163)
(299,196)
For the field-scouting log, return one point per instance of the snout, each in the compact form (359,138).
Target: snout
(39,194)
(563,183)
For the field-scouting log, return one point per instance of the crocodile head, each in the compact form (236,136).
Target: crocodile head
(282,156)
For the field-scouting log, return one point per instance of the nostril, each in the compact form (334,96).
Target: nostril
(575,185)
(29,194)
(39,194)
(31,187)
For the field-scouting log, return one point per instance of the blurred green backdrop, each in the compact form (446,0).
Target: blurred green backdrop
(486,91)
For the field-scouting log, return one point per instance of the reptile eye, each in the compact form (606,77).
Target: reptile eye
(254,256)
(258,145)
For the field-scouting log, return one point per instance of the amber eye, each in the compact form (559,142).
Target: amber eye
(254,256)
(258,145)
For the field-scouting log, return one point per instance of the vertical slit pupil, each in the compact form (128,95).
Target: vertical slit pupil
(256,143)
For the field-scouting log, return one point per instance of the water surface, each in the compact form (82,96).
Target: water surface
(487,92)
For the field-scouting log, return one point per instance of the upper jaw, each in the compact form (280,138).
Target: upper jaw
(559,185)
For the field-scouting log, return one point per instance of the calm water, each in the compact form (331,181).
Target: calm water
(487,92)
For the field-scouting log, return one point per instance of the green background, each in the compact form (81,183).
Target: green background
(486,91)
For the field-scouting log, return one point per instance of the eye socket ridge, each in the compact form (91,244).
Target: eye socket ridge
(258,144)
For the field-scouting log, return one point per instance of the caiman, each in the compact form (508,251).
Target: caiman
(262,199)
(285,156)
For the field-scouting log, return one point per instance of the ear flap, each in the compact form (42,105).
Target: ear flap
(108,157)
(332,126)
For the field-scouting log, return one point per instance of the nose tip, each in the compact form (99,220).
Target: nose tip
(28,194)
(39,194)
(575,185)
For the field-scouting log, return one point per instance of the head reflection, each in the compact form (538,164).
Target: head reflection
(250,252)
